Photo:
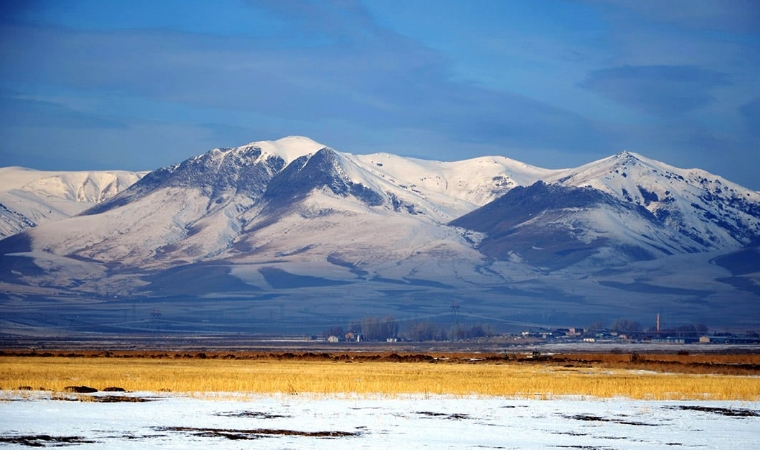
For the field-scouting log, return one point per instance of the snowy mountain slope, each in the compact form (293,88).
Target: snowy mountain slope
(325,227)
(31,197)
(369,221)
(230,202)
(617,210)
(710,212)
(556,226)
(221,172)
(216,201)
(453,188)
(177,214)
(441,190)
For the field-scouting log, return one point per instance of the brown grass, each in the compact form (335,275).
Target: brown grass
(390,374)
(705,364)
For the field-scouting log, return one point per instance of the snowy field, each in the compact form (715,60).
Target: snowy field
(315,422)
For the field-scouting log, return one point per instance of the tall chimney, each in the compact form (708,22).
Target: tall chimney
(658,322)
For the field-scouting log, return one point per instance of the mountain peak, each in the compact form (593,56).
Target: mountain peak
(629,158)
(599,173)
(627,155)
(288,148)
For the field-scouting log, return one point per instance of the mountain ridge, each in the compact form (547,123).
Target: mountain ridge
(328,233)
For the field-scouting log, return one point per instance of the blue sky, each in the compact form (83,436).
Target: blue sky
(137,85)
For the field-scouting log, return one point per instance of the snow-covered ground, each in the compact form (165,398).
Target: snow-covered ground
(305,421)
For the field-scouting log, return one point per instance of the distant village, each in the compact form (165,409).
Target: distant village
(621,331)
(559,335)
(663,337)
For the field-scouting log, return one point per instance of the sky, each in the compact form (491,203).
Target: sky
(142,84)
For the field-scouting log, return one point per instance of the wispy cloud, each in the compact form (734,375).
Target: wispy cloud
(660,90)
(732,15)
(21,111)
(371,78)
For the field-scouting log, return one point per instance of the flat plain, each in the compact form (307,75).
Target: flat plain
(382,399)
(635,376)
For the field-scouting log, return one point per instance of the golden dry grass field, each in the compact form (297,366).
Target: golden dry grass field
(714,377)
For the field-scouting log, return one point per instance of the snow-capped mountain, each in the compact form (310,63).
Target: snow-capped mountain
(619,209)
(328,233)
(214,205)
(709,211)
(31,197)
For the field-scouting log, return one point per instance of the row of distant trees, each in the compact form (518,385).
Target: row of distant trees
(383,328)
(430,331)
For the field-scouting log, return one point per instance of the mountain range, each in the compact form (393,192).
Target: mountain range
(291,236)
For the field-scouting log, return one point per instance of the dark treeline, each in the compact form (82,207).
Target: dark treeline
(381,329)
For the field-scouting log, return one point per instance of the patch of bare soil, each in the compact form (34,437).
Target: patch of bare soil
(730,412)
(585,447)
(121,399)
(256,433)
(593,418)
(44,440)
(455,416)
(80,389)
(104,398)
(252,415)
